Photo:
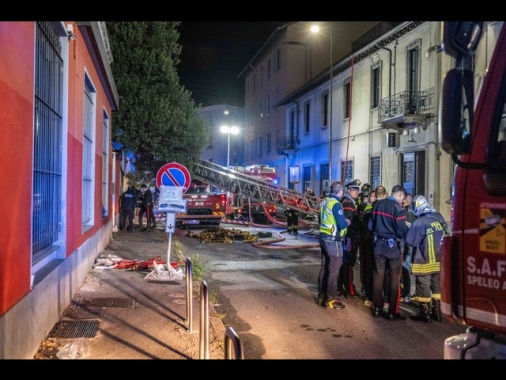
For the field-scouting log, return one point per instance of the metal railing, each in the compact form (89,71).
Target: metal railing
(402,104)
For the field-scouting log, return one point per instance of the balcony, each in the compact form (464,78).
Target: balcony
(287,145)
(406,109)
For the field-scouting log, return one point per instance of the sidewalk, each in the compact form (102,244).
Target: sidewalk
(118,314)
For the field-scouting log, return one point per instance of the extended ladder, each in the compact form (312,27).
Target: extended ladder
(239,183)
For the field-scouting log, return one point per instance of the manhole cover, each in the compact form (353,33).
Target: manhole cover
(110,302)
(74,329)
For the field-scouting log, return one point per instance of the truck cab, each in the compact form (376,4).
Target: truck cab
(473,131)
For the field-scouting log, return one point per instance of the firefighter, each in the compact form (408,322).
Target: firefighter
(292,220)
(426,235)
(388,223)
(349,202)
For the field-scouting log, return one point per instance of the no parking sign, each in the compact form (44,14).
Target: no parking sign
(173,174)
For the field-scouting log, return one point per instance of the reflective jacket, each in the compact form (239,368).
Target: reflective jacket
(332,220)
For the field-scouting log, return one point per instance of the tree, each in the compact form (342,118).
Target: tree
(156,119)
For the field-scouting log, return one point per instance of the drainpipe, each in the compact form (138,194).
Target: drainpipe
(389,69)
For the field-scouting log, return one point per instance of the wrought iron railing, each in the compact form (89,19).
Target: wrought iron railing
(286,143)
(403,104)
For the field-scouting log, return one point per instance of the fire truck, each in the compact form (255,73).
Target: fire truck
(209,205)
(473,131)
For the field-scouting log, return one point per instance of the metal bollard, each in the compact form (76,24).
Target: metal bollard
(232,339)
(189,293)
(204,321)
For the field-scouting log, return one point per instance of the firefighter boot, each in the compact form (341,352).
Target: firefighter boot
(435,313)
(424,314)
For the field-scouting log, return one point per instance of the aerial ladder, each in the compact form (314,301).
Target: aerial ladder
(256,189)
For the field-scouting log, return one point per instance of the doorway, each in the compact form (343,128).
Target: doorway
(413,172)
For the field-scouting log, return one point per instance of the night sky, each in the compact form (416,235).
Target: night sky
(214,53)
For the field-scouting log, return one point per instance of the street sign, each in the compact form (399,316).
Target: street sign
(170,224)
(173,174)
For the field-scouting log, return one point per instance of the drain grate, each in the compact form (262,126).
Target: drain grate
(74,329)
(110,302)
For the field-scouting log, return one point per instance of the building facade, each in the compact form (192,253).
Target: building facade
(379,106)
(58,95)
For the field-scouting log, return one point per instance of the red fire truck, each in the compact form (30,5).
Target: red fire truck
(208,205)
(473,260)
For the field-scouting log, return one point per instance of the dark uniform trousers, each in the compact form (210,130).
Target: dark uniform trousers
(349,260)
(292,221)
(127,215)
(392,256)
(331,261)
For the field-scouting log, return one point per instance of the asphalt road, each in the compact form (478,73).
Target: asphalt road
(268,296)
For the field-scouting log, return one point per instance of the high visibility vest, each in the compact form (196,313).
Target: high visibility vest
(328,224)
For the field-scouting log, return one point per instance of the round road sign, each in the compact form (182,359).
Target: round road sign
(173,174)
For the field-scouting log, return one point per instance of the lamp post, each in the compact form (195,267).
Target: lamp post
(316,29)
(229,130)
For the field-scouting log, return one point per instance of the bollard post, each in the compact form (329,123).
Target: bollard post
(232,339)
(204,321)
(189,293)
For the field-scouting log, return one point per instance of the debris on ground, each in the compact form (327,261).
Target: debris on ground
(165,273)
(224,235)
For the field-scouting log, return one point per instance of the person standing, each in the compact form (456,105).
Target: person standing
(366,248)
(349,202)
(333,227)
(128,203)
(426,236)
(407,279)
(292,220)
(146,207)
(388,223)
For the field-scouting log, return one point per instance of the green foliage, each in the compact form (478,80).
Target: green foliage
(156,119)
(137,178)
(198,269)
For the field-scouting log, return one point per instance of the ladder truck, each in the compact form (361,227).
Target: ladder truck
(209,204)
(258,190)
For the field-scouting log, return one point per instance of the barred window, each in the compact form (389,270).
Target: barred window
(375,180)
(105,165)
(47,142)
(347,171)
(88,156)
(306,178)
(324,178)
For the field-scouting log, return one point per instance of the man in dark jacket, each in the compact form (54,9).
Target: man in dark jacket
(128,203)
(388,224)
(352,240)
(146,207)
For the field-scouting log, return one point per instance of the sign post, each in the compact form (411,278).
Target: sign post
(173,180)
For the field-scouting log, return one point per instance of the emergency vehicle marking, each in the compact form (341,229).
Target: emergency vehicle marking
(487,271)
(492,228)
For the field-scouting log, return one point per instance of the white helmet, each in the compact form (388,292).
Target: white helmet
(420,206)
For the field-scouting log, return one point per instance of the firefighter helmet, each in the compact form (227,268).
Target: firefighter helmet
(366,190)
(420,206)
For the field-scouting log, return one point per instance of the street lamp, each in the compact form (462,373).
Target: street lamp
(229,130)
(316,29)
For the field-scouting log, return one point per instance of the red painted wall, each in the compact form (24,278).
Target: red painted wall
(17,51)
(16,126)
(79,64)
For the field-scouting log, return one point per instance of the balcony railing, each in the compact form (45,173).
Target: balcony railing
(286,144)
(404,107)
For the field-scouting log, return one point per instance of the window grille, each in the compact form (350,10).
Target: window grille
(47,140)
(88,156)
